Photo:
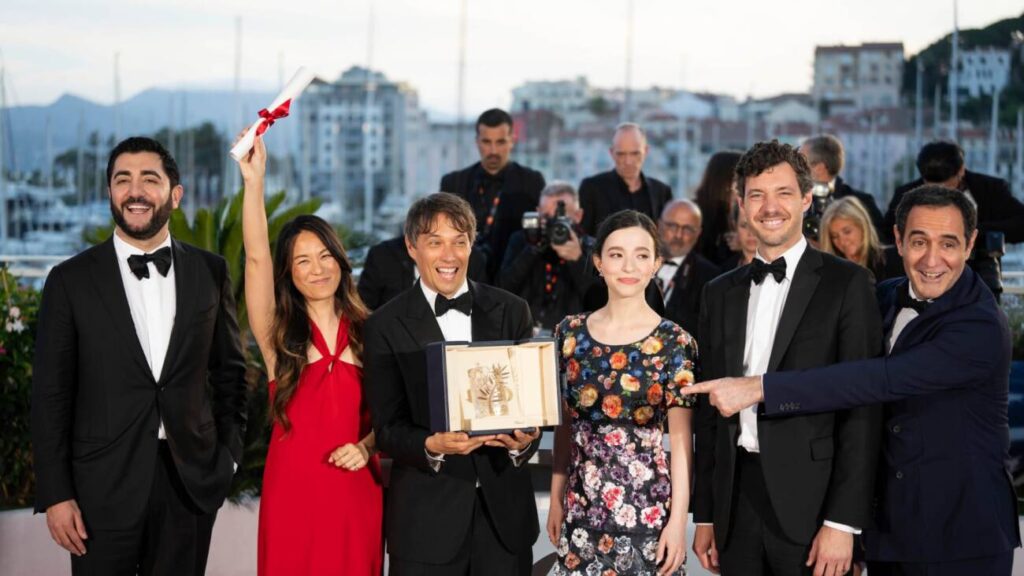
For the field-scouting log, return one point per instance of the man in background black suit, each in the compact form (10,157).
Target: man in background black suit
(625,187)
(456,504)
(138,389)
(685,271)
(825,156)
(498,190)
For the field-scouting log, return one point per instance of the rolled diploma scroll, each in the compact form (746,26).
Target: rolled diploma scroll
(288,95)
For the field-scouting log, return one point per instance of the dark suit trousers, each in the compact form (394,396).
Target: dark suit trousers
(999,565)
(173,537)
(482,554)
(756,545)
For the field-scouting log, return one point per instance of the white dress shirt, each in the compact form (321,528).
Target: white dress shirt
(903,318)
(667,272)
(152,302)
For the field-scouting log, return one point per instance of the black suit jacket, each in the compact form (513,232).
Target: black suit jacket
(389,271)
(683,305)
(817,467)
(428,514)
(842,189)
(96,406)
(600,198)
(998,210)
(945,491)
(520,193)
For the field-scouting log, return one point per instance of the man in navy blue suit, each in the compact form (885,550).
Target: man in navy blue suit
(946,502)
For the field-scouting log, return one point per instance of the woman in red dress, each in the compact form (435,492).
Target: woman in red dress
(320,510)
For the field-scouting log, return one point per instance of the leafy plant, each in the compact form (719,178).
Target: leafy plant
(18,308)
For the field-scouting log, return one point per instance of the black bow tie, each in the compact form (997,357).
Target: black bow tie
(161,258)
(759,269)
(462,303)
(905,300)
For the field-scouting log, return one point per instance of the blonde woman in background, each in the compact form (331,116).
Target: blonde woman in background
(846,231)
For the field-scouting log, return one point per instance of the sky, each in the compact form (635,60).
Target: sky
(737,47)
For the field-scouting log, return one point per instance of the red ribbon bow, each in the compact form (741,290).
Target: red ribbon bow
(269,116)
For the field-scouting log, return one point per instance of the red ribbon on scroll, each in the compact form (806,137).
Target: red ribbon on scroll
(269,116)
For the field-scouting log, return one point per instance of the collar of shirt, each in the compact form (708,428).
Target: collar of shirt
(123,250)
(431,295)
(792,257)
(625,187)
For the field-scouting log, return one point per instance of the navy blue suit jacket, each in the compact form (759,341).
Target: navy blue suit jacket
(944,490)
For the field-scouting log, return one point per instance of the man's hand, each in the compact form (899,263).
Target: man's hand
(704,547)
(351,457)
(831,552)
(729,395)
(254,164)
(571,251)
(455,442)
(519,443)
(64,520)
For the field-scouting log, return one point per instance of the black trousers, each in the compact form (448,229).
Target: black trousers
(756,544)
(482,554)
(998,565)
(172,539)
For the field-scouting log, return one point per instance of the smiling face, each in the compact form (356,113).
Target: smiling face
(847,238)
(315,272)
(627,261)
(442,256)
(141,197)
(934,249)
(775,207)
(495,146)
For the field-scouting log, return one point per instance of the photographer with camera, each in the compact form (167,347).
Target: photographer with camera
(547,263)
(826,157)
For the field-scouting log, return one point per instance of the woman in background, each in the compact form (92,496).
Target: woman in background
(716,197)
(321,505)
(847,232)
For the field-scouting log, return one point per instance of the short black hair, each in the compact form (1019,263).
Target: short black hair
(137,144)
(627,219)
(764,155)
(939,161)
(936,196)
(493,118)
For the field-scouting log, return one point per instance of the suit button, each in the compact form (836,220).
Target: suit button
(899,475)
(782,407)
(896,429)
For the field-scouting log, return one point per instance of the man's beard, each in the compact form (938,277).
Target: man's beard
(160,217)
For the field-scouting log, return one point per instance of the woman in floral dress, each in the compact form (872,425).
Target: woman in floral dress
(617,505)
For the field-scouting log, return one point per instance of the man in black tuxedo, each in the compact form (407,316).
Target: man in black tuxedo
(551,276)
(498,190)
(947,505)
(456,504)
(942,163)
(138,391)
(389,270)
(772,495)
(625,187)
(825,156)
(685,271)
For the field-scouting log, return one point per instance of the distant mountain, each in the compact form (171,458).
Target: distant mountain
(72,119)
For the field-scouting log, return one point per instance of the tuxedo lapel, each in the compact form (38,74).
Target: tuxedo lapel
(805,280)
(185,281)
(487,315)
(419,319)
(107,277)
(736,299)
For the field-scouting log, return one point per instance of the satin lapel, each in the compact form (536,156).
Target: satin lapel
(107,276)
(186,270)
(891,311)
(486,317)
(736,299)
(419,319)
(805,280)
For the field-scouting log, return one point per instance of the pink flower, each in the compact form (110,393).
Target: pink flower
(612,496)
(615,438)
(651,517)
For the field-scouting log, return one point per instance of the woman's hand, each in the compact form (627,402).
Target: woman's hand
(254,164)
(672,546)
(555,516)
(351,457)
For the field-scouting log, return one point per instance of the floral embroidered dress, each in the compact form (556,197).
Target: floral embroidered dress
(618,494)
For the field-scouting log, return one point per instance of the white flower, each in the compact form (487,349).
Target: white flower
(563,546)
(639,472)
(626,516)
(579,537)
(15,326)
(14,312)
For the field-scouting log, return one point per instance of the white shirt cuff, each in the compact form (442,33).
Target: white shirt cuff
(703,524)
(434,461)
(842,527)
(515,455)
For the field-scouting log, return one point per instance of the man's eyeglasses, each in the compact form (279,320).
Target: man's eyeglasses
(676,228)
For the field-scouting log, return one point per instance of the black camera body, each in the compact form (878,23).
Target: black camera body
(821,197)
(544,232)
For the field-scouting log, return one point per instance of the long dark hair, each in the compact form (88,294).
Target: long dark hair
(291,334)
(713,195)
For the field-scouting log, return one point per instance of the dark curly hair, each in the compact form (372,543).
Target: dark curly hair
(765,155)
